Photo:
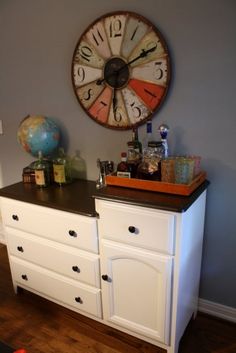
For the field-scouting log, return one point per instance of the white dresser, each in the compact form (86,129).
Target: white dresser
(131,264)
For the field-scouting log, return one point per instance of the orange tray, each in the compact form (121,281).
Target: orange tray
(158,186)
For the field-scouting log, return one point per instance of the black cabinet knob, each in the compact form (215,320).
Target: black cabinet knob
(15,217)
(105,277)
(76,269)
(132,229)
(24,277)
(20,248)
(72,233)
(78,300)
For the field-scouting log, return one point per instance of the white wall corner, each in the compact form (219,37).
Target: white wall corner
(218,310)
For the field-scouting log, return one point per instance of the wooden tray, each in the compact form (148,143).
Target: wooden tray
(158,186)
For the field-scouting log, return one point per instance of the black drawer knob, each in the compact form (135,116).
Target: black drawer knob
(15,217)
(72,233)
(132,229)
(105,277)
(24,277)
(76,269)
(78,300)
(20,248)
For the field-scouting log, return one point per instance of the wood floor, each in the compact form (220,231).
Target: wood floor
(40,326)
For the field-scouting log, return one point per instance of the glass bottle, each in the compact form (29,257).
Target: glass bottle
(164,129)
(134,143)
(149,135)
(135,139)
(62,168)
(78,166)
(42,171)
(123,169)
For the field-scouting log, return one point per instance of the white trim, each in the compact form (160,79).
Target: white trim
(218,310)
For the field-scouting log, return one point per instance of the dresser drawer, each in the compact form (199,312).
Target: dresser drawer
(72,262)
(71,229)
(77,296)
(138,226)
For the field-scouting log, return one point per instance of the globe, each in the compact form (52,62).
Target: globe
(38,133)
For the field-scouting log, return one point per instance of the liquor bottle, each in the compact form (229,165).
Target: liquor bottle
(164,129)
(62,168)
(123,169)
(135,139)
(42,171)
(149,135)
(134,152)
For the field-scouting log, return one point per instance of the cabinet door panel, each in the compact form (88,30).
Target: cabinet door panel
(137,291)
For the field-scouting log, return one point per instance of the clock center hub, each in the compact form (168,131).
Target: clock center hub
(116,73)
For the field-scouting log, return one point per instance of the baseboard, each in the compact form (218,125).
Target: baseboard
(218,310)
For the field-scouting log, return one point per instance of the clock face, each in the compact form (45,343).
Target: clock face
(121,70)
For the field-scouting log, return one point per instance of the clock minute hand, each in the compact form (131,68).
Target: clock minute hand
(143,54)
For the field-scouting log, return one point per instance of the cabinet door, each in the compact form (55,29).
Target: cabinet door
(136,289)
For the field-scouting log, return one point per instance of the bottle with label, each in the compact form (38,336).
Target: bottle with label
(123,169)
(62,168)
(134,153)
(42,171)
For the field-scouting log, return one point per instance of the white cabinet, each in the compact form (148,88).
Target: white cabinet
(131,264)
(150,266)
(54,254)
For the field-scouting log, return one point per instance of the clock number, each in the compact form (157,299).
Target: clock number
(150,93)
(133,35)
(117,115)
(103,105)
(136,110)
(99,38)
(151,45)
(86,53)
(81,74)
(88,94)
(158,72)
(115,28)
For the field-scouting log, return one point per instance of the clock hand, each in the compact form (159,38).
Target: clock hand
(143,54)
(114,101)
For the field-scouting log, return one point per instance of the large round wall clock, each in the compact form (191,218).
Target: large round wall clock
(121,70)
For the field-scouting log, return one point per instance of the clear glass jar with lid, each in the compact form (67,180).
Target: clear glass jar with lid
(150,166)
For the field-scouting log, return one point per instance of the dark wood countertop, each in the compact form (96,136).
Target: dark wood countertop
(76,197)
(79,196)
(158,200)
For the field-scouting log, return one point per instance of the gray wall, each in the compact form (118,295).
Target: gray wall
(37,39)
